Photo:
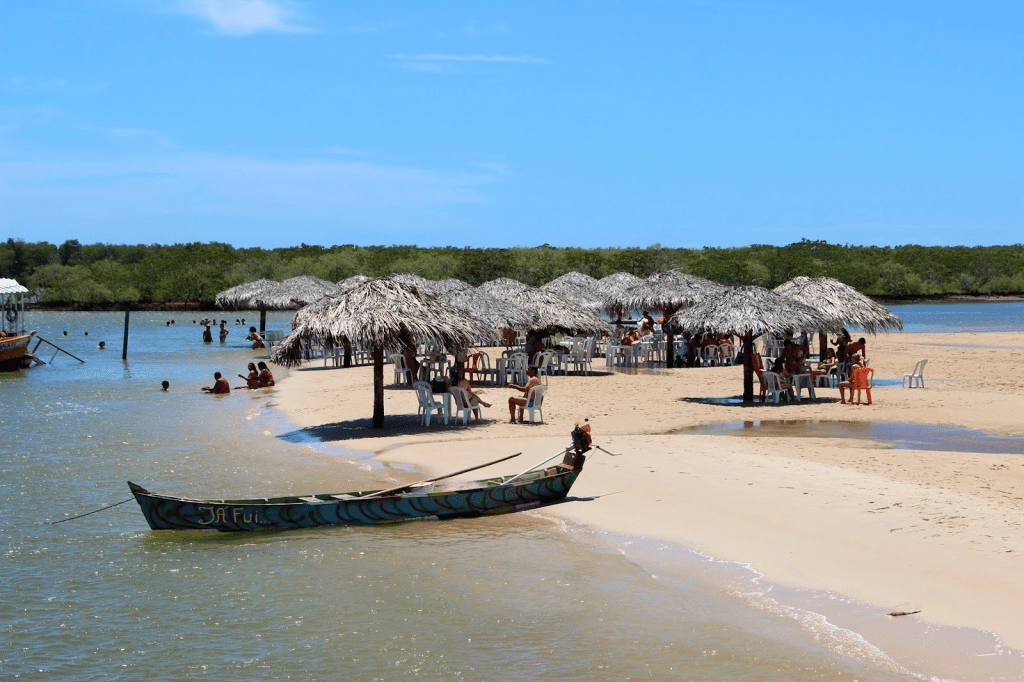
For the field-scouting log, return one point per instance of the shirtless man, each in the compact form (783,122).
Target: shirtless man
(207,335)
(254,336)
(220,386)
(514,402)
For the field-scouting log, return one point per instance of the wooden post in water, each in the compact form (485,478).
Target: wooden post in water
(263,320)
(124,348)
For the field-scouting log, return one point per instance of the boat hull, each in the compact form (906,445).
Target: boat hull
(479,498)
(13,351)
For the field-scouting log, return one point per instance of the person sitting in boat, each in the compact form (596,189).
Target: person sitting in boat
(515,402)
(265,377)
(220,385)
(253,380)
(254,336)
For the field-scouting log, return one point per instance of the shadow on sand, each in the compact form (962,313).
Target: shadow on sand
(737,401)
(394,425)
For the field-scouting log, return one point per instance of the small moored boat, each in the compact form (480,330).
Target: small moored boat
(430,499)
(13,339)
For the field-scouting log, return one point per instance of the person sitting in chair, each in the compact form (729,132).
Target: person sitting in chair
(855,362)
(515,402)
(475,401)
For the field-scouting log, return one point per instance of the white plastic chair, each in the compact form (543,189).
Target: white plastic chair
(402,370)
(517,365)
(917,376)
(462,405)
(428,405)
(773,389)
(727,352)
(485,370)
(580,359)
(534,401)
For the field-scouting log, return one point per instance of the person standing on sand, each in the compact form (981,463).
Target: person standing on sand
(515,402)
(220,386)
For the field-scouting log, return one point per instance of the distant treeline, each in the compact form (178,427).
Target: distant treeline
(106,275)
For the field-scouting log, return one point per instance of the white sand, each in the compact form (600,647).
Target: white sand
(900,529)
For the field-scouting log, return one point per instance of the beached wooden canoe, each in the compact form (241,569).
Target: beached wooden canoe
(439,500)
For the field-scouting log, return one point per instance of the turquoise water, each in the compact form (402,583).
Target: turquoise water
(104,598)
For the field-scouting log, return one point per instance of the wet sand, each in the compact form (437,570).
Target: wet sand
(899,529)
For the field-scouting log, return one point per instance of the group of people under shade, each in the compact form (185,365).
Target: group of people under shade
(259,377)
(848,359)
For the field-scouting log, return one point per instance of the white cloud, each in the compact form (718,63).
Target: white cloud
(243,17)
(433,57)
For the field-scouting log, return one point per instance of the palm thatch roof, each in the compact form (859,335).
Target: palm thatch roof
(750,310)
(556,313)
(503,287)
(578,287)
(296,292)
(502,314)
(383,314)
(840,303)
(380,313)
(616,282)
(451,284)
(667,291)
(415,280)
(245,295)
(348,283)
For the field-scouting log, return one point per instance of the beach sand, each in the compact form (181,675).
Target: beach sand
(898,529)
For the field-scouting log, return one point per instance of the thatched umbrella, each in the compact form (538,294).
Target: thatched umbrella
(502,314)
(667,291)
(297,292)
(451,284)
(250,296)
(578,287)
(841,304)
(503,287)
(749,312)
(556,314)
(613,284)
(385,315)
(348,283)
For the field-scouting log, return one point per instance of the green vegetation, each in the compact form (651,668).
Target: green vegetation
(105,275)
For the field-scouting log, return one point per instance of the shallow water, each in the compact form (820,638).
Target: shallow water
(984,316)
(895,435)
(104,598)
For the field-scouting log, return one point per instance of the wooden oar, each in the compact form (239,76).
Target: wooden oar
(400,488)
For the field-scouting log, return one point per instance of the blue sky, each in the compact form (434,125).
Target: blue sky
(685,123)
